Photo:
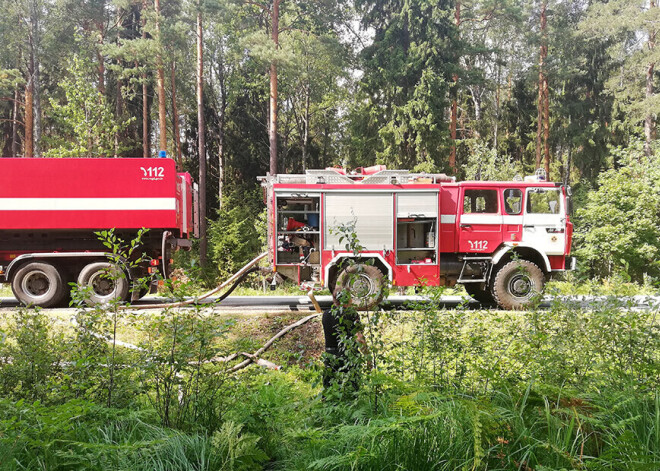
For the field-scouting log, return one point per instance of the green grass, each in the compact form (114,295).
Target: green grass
(5,291)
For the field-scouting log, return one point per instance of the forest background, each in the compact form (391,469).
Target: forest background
(232,89)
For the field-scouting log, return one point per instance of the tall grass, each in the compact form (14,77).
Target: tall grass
(82,436)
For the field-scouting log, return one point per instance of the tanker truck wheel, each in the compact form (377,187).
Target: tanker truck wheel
(38,284)
(102,282)
(479,292)
(517,284)
(364,284)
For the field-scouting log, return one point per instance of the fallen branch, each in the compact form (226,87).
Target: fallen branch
(267,345)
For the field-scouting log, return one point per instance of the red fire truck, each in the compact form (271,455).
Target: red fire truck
(50,210)
(501,240)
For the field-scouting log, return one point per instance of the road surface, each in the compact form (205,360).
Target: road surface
(267,304)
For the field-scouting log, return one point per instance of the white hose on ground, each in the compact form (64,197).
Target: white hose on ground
(220,287)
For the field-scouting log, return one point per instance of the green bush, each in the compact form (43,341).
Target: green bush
(30,351)
(618,228)
(239,233)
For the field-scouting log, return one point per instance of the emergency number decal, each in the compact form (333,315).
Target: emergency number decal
(153,173)
(478,244)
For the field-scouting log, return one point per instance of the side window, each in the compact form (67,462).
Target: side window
(513,201)
(480,201)
(543,201)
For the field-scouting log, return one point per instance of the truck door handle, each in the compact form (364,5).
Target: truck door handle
(466,226)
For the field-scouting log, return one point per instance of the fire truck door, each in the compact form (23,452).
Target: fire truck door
(544,222)
(480,221)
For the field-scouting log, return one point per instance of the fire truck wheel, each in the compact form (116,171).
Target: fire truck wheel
(364,284)
(517,283)
(479,293)
(38,284)
(104,282)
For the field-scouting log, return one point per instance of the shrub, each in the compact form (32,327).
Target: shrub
(239,233)
(618,229)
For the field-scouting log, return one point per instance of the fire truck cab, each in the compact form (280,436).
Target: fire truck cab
(501,240)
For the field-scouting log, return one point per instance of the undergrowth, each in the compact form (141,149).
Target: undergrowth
(566,388)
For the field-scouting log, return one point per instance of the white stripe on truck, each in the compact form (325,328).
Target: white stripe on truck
(87,204)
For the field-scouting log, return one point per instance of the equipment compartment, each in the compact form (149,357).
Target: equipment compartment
(298,234)
(416,241)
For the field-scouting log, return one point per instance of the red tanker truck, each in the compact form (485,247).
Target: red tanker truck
(51,209)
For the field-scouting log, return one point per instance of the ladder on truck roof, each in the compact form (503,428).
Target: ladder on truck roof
(332,176)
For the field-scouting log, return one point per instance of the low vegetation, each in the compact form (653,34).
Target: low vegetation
(564,388)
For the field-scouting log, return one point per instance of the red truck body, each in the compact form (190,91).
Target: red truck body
(418,229)
(50,210)
(65,194)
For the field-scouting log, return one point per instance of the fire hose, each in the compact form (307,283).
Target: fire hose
(233,282)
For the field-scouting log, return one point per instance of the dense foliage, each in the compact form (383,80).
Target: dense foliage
(440,389)
(619,223)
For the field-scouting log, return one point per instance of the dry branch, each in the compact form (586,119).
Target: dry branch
(267,345)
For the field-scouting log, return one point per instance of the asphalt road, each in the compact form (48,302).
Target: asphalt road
(267,304)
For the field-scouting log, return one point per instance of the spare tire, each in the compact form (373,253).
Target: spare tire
(102,282)
(38,284)
(363,284)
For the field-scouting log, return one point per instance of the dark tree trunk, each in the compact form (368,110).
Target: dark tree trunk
(35,91)
(28,150)
(649,121)
(146,145)
(175,120)
(203,244)
(14,125)
(454,101)
(272,129)
(162,111)
(542,118)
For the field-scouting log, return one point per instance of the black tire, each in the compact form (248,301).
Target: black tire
(364,284)
(479,292)
(104,281)
(517,284)
(38,284)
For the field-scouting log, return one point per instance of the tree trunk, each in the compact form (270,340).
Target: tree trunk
(36,86)
(221,135)
(14,125)
(28,150)
(541,100)
(162,112)
(496,128)
(546,125)
(119,111)
(272,129)
(305,148)
(175,119)
(454,102)
(649,121)
(145,97)
(203,244)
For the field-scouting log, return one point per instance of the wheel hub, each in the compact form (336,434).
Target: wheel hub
(361,286)
(36,284)
(520,286)
(101,284)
